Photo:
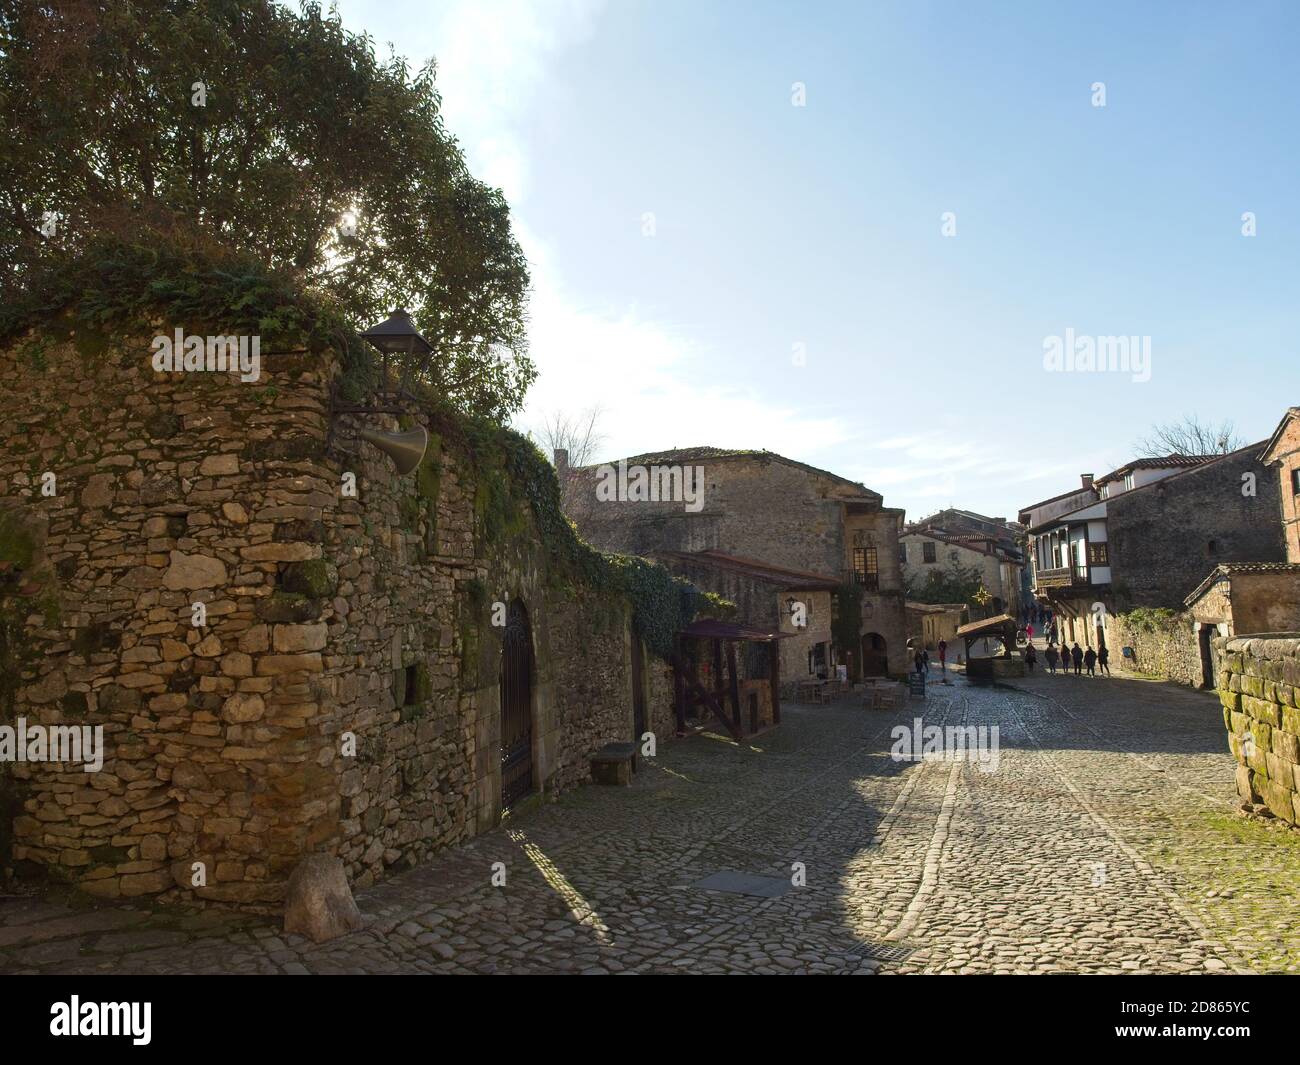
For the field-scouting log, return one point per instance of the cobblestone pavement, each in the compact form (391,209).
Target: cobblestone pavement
(1105,841)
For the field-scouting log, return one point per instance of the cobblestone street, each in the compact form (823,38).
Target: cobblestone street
(1105,842)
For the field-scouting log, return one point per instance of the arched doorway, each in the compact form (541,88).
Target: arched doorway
(875,655)
(516,707)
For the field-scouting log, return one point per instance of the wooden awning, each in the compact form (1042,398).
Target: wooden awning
(993,626)
(711,629)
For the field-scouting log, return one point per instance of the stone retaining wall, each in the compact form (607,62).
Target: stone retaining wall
(1172,653)
(1259,685)
(342,693)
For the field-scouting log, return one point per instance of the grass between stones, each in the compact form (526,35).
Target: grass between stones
(1242,876)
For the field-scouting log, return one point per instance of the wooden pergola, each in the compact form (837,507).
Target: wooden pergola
(689,690)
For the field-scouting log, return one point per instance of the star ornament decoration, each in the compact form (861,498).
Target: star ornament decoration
(982,596)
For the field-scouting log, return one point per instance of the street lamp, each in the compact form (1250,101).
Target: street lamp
(397,335)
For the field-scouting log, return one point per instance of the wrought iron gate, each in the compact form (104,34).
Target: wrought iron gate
(516,707)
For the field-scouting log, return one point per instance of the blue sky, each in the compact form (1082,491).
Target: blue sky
(778,229)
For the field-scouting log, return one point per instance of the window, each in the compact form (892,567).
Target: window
(927,552)
(866,569)
(1212,548)
(1097,555)
(1128,482)
(1295,481)
(902,554)
(952,555)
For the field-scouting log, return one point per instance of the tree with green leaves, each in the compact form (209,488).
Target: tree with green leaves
(953,583)
(249,127)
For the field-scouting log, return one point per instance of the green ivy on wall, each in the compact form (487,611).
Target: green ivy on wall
(846,620)
(117,290)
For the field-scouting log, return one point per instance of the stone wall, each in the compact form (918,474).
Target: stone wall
(1259,685)
(764,507)
(1173,653)
(342,692)
(1166,537)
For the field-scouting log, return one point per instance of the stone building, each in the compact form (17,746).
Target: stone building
(279,664)
(790,602)
(923,552)
(928,623)
(1282,453)
(760,506)
(1148,534)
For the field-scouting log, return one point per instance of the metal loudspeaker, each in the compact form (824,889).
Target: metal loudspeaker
(405,449)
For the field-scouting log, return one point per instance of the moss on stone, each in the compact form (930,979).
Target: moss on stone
(282,608)
(17,544)
(315,578)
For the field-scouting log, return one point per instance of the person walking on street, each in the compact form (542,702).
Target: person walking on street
(1076,652)
(1090,660)
(943,656)
(925,657)
(919,662)
(1103,660)
(1051,656)
(1031,656)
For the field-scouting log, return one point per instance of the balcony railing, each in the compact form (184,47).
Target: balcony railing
(1062,577)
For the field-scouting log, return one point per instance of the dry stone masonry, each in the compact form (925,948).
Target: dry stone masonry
(280,668)
(1259,685)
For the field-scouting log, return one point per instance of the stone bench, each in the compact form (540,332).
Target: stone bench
(614,764)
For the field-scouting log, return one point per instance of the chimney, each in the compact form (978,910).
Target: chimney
(1086,478)
(561,462)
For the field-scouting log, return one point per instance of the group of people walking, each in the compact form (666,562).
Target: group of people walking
(1094,662)
(921,659)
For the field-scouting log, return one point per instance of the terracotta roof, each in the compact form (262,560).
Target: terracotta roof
(756,568)
(1163,462)
(952,541)
(1228,569)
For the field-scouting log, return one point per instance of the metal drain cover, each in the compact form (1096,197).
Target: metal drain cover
(883,951)
(763,887)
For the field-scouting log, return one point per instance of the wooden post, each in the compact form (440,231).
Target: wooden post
(718,681)
(679,687)
(774,673)
(734,685)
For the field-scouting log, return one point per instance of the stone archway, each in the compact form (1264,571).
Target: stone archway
(875,655)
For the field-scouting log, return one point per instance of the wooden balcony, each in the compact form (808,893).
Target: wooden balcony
(1062,577)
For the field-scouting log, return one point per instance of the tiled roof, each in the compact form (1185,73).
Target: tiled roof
(1163,462)
(1227,569)
(1054,499)
(677,456)
(763,571)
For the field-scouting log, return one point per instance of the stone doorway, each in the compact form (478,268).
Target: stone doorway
(516,707)
(1209,660)
(875,655)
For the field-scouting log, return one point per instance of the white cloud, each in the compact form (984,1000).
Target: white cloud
(652,381)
